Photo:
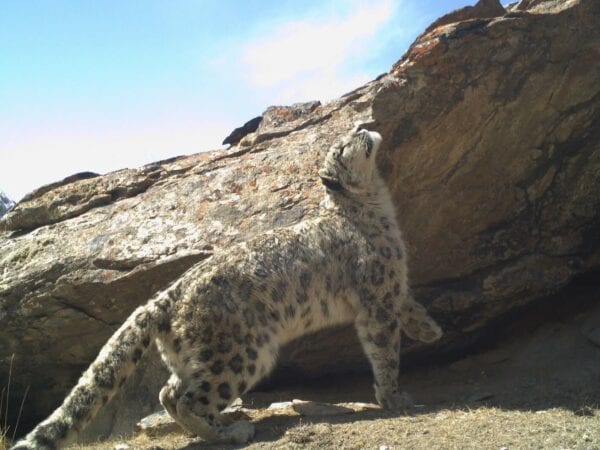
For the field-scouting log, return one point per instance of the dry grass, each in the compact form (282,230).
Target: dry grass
(451,429)
(3,423)
(481,428)
(5,440)
(4,411)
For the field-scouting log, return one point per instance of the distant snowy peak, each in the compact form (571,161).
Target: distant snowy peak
(5,203)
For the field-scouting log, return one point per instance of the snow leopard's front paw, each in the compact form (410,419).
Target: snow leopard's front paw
(393,399)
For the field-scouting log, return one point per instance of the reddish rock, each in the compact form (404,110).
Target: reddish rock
(483,9)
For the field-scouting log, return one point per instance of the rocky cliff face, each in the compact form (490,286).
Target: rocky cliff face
(5,203)
(491,151)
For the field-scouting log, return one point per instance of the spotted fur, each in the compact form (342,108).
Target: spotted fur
(220,326)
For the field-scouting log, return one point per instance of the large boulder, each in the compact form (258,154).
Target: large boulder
(491,151)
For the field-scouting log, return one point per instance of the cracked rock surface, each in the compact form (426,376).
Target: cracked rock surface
(491,151)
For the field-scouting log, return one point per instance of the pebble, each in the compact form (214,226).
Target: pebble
(235,406)
(318,409)
(157,424)
(280,405)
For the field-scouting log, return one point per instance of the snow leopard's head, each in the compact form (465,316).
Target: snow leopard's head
(350,162)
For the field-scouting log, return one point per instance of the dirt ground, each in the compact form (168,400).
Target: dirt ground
(537,386)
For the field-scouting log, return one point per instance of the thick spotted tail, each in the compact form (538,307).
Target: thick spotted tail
(102,379)
(417,324)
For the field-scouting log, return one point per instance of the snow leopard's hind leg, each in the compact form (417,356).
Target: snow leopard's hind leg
(169,395)
(187,403)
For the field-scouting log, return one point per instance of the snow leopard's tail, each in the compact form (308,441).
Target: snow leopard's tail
(100,382)
(417,323)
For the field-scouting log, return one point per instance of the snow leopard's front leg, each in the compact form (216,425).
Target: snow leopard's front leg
(379,335)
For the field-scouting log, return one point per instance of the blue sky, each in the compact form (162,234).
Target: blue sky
(102,85)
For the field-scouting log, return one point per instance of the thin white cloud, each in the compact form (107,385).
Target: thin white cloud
(316,57)
(63,152)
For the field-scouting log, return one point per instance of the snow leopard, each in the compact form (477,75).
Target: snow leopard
(220,326)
